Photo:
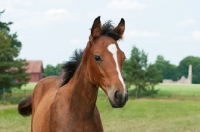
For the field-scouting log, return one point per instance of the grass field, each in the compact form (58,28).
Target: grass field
(178,87)
(137,116)
(179,91)
(176,108)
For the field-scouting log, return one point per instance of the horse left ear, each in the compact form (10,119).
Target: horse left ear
(96,29)
(120,28)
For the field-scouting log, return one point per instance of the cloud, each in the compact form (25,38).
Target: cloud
(185,23)
(36,20)
(21,13)
(142,34)
(126,5)
(183,39)
(57,15)
(15,3)
(195,36)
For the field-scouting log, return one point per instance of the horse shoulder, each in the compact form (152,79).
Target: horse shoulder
(42,98)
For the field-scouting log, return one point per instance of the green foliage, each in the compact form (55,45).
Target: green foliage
(136,71)
(184,65)
(154,76)
(12,69)
(52,71)
(169,71)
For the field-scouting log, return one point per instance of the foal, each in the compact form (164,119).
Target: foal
(72,107)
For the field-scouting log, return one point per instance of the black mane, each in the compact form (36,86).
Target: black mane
(108,30)
(69,67)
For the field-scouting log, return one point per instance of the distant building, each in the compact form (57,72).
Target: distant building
(35,69)
(183,79)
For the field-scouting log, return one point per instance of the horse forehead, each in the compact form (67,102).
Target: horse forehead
(106,40)
(115,51)
(112,48)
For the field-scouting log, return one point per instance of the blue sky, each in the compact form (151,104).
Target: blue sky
(50,30)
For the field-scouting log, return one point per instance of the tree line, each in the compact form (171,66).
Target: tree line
(144,76)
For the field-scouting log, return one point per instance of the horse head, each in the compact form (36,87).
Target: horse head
(104,60)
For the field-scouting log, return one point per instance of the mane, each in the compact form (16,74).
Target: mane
(108,30)
(69,67)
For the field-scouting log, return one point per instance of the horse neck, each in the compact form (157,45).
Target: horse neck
(84,93)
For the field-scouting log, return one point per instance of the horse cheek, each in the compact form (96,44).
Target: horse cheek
(94,73)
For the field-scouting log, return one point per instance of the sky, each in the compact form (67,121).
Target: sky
(50,30)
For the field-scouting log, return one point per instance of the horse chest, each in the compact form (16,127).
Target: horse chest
(77,121)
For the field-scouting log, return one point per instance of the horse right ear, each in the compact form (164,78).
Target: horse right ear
(96,29)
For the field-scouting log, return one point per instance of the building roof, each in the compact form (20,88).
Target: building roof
(34,66)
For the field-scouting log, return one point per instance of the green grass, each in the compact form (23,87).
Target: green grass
(175,108)
(137,116)
(152,116)
(174,91)
(29,86)
(179,87)
(179,91)
(175,87)
(11,121)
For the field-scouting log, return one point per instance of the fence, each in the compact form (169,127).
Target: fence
(13,96)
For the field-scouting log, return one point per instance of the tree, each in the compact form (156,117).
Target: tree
(137,72)
(58,69)
(184,65)
(12,69)
(52,71)
(154,75)
(169,71)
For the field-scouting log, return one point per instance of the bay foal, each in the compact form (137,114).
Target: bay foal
(72,107)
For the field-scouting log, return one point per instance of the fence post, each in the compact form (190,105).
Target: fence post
(3,96)
(14,96)
(24,93)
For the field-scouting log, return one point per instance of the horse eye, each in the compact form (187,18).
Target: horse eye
(97,58)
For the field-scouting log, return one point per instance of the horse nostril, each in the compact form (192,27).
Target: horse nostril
(120,99)
(117,95)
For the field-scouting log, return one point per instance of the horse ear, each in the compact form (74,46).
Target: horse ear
(96,29)
(120,28)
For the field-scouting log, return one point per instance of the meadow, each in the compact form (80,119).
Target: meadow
(174,109)
(137,116)
(178,91)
